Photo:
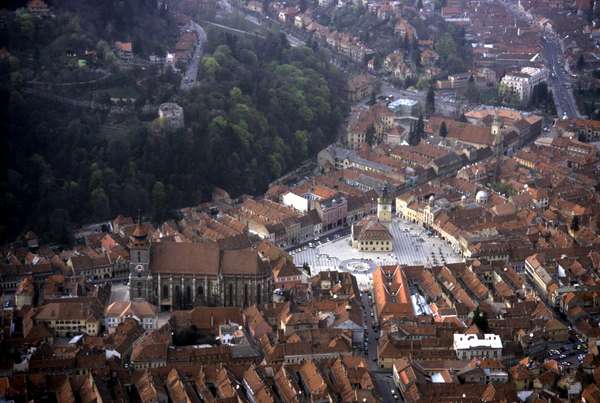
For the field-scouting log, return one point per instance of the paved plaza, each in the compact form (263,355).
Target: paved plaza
(412,246)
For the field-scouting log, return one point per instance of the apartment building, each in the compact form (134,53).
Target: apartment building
(70,317)
(522,83)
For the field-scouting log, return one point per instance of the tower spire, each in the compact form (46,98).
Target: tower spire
(497,143)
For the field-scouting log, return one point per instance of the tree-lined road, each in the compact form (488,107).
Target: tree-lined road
(559,79)
(191,74)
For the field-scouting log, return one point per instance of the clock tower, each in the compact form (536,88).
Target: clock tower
(140,278)
(384,208)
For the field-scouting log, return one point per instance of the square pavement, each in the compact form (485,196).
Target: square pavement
(411,246)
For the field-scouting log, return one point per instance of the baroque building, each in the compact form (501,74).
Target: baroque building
(372,233)
(179,275)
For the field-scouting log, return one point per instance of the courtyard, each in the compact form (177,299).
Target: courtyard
(412,245)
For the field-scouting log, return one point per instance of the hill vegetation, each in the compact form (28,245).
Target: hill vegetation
(259,109)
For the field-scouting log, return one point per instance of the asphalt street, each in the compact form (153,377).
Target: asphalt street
(191,73)
(559,79)
(294,41)
(382,378)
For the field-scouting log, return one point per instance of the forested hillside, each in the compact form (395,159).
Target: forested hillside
(260,108)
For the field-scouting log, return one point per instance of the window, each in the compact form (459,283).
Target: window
(231,294)
(165,291)
(258,294)
(200,293)
(177,296)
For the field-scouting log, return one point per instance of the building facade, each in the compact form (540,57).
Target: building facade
(522,83)
(468,346)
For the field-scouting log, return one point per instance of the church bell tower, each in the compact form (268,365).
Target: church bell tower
(140,278)
(497,143)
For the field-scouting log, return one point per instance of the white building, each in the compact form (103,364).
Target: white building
(536,75)
(142,311)
(404,107)
(296,201)
(467,346)
(523,82)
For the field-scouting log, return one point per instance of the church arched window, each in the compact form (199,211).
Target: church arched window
(177,296)
(200,295)
(188,295)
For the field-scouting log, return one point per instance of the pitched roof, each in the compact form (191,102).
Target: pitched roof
(464,132)
(391,292)
(370,229)
(139,309)
(205,258)
(206,318)
(76,309)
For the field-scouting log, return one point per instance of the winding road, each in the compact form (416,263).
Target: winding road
(191,74)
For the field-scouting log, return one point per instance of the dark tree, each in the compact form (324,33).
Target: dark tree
(539,96)
(373,99)
(580,63)
(159,201)
(306,269)
(430,101)
(472,92)
(420,127)
(480,320)
(463,118)
(412,139)
(415,52)
(575,223)
(370,136)
(550,107)
(443,132)
(416,132)
(265,106)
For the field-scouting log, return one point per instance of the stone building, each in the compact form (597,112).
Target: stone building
(176,275)
(170,116)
